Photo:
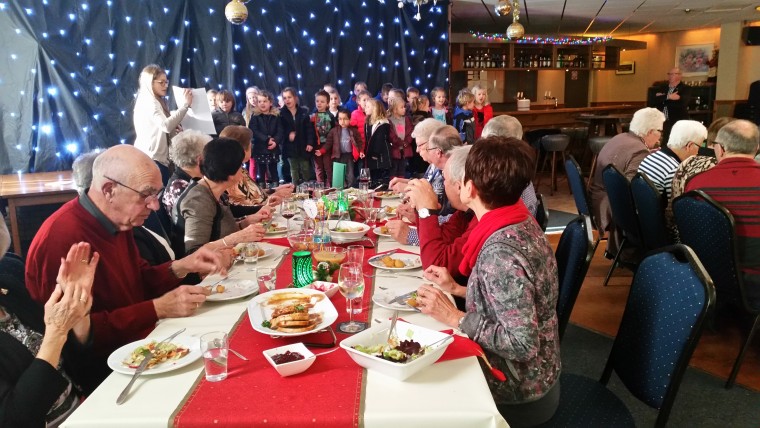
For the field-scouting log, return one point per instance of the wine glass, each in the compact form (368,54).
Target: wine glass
(351,286)
(288,209)
(364,176)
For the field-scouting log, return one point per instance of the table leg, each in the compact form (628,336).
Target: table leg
(15,236)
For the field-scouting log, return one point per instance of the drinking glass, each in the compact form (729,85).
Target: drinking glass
(266,278)
(288,209)
(355,254)
(214,347)
(364,176)
(251,254)
(319,189)
(371,213)
(351,286)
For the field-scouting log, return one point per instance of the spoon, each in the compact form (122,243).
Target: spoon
(285,252)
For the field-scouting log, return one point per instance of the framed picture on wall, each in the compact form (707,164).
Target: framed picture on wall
(626,67)
(693,59)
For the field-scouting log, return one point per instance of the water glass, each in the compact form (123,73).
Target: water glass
(371,215)
(215,346)
(355,254)
(251,253)
(351,286)
(266,278)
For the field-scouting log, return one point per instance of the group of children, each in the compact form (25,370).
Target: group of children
(292,144)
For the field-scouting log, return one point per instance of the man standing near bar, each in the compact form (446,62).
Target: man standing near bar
(673,100)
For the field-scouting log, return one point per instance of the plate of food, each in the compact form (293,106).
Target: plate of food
(346,230)
(388,211)
(382,231)
(396,261)
(387,195)
(291,312)
(265,250)
(299,196)
(384,299)
(276,228)
(231,289)
(172,355)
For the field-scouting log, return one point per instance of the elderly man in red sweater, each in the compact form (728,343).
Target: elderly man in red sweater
(129,295)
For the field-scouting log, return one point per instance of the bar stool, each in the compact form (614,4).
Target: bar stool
(595,144)
(553,144)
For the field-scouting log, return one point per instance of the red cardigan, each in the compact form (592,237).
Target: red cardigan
(124,285)
(442,245)
(487,111)
(401,148)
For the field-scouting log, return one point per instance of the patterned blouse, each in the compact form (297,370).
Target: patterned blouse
(247,192)
(511,312)
(688,168)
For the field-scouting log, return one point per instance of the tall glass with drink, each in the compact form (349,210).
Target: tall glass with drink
(214,347)
(351,286)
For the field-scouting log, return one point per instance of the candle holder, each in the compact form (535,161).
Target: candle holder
(303,274)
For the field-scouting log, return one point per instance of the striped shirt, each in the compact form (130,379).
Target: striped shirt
(660,167)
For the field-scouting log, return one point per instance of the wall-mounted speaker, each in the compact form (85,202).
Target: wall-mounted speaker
(752,36)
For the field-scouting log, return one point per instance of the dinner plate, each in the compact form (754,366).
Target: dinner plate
(260,310)
(268,251)
(278,231)
(412,261)
(379,233)
(383,299)
(387,195)
(234,289)
(118,356)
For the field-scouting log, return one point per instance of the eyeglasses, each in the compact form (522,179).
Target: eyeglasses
(148,198)
(673,74)
(431,148)
(162,82)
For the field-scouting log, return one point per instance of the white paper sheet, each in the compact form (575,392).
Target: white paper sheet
(199,115)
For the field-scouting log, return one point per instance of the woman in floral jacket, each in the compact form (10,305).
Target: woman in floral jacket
(511,294)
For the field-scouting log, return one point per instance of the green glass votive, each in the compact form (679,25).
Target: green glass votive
(303,274)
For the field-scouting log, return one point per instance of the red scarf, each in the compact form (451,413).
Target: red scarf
(490,223)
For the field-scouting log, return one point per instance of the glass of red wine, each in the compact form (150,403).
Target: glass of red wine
(288,209)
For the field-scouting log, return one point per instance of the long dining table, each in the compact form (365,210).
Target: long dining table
(447,394)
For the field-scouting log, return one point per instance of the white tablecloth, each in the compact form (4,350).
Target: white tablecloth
(448,394)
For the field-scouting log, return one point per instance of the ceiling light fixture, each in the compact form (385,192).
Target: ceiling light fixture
(515,29)
(502,8)
(417,3)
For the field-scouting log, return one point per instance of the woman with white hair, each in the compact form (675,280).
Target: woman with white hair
(155,125)
(186,152)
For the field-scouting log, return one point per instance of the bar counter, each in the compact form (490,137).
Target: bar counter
(546,116)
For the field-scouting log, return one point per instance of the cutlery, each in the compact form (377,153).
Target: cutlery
(141,368)
(238,354)
(392,330)
(443,339)
(408,275)
(285,252)
(402,298)
(381,255)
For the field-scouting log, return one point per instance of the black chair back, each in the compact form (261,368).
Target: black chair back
(651,213)
(621,204)
(579,191)
(542,212)
(574,253)
(670,297)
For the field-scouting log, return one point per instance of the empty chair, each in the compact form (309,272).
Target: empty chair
(553,144)
(651,213)
(574,252)
(623,213)
(580,193)
(670,298)
(542,212)
(708,228)
(595,144)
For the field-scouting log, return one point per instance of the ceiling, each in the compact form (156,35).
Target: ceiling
(602,17)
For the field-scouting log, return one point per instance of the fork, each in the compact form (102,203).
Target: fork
(392,330)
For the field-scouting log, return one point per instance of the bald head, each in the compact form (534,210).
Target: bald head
(123,163)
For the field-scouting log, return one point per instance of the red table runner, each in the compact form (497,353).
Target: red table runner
(327,394)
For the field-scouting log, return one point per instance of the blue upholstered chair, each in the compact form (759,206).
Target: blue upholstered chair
(708,228)
(580,193)
(623,212)
(542,212)
(651,213)
(574,253)
(670,297)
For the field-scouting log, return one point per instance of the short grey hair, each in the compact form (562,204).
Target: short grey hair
(645,120)
(739,137)
(82,169)
(445,138)
(686,131)
(503,126)
(423,130)
(187,147)
(456,162)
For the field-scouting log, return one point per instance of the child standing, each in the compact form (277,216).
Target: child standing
(225,113)
(439,111)
(378,152)
(483,111)
(251,103)
(323,123)
(346,145)
(268,136)
(334,105)
(400,136)
(421,110)
(299,144)
(463,121)
(358,116)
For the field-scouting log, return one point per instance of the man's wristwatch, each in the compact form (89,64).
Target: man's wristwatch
(425,213)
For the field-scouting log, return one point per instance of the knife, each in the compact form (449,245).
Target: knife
(381,255)
(141,368)
(402,298)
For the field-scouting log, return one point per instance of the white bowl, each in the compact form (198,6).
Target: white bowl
(329,288)
(294,367)
(361,230)
(401,371)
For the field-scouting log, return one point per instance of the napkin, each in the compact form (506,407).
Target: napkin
(463,347)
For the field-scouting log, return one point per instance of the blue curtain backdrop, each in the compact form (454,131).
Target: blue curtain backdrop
(70,68)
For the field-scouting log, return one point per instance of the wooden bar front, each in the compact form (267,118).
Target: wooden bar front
(544,116)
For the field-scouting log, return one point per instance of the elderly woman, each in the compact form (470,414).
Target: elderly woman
(201,216)
(511,293)
(35,391)
(186,152)
(247,197)
(155,125)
